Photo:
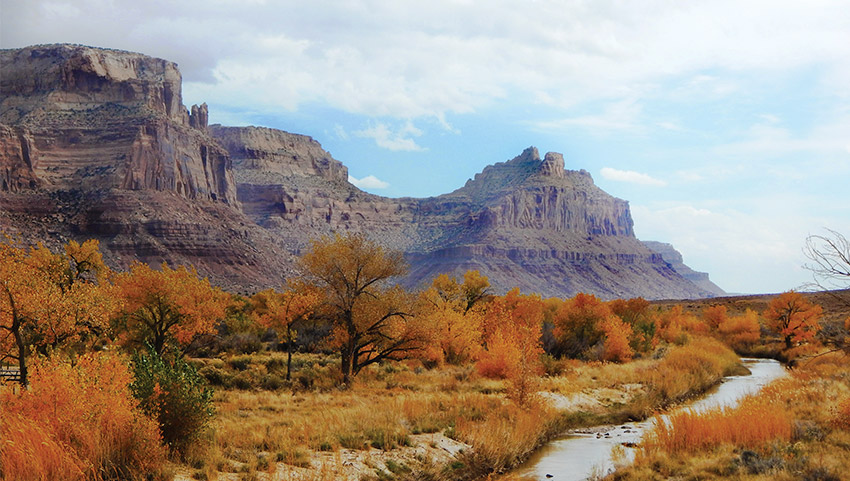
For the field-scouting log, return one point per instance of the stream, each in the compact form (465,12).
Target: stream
(585,453)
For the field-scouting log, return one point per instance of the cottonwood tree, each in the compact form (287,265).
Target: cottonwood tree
(453,313)
(48,300)
(371,319)
(283,311)
(792,316)
(168,305)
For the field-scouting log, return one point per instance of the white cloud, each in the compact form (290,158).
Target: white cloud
(631,177)
(368,182)
(407,60)
(396,140)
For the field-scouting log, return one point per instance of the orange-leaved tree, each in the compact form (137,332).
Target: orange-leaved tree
(453,314)
(168,305)
(578,324)
(616,346)
(793,317)
(513,326)
(49,299)
(283,311)
(371,319)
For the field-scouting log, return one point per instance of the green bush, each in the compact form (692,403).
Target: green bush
(174,394)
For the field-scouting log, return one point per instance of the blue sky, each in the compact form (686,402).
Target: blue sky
(726,124)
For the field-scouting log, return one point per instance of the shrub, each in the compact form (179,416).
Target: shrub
(174,394)
(75,422)
(750,425)
(842,417)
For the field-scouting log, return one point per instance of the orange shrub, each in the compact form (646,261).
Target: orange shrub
(676,324)
(88,410)
(740,331)
(616,346)
(714,316)
(752,424)
(842,417)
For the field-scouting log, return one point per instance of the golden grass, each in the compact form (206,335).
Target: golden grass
(793,429)
(750,425)
(29,451)
(390,403)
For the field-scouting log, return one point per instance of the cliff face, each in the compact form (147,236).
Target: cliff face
(674,258)
(77,116)
(97,143)
(527,222)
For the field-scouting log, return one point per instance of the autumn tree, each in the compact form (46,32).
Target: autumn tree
(371,320)
(577,324)
(512,330)
(636,313)
(453,314)
(792,316)
(616,346)
(168,305)
(48,300)
(283,311)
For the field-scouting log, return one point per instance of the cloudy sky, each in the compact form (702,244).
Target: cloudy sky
(726,124)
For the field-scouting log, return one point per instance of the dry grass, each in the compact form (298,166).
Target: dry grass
(750,425)
(792,430)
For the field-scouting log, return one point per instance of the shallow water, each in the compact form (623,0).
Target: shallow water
(580,455)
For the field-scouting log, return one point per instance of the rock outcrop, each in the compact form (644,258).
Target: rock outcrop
(527,222)
(674,258)
(97,143)
(94,118)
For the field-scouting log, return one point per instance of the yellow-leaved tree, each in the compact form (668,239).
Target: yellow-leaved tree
(168,305)
(453,313)
(371,318)
(283,311)
(51,299)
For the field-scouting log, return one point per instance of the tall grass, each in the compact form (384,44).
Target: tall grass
(85,410)
(690,369)
(751,424)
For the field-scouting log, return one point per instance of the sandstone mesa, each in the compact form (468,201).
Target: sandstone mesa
(96,143)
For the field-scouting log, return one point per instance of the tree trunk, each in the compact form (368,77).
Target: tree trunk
(288,352)
(788,344)
(22,358)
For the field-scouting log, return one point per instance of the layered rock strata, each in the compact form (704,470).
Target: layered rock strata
(97,143)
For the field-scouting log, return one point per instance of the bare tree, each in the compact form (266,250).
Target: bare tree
(830,260)
(829,254)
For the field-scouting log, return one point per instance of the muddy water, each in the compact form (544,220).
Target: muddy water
(580,455)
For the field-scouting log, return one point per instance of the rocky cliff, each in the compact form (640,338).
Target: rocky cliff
(526,222)
(97,143)
(674,258)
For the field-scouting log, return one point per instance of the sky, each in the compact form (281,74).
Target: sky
(725,124)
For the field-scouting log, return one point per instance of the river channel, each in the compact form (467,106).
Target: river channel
(582,454)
